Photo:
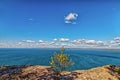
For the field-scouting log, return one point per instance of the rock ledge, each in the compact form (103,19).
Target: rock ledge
(37,72)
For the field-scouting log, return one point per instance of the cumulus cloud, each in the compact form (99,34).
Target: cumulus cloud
(63,44)
(90,42)
(114,43)
(117,38)
(55,39)
(52,43)
(41,41)
(71,18)
(84,42)
(44,44)
(57,43)
(19,43)
(94,42)
(64,40)
(28,41)
(67,21)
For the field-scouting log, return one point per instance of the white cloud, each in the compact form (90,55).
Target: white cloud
(57,43)
(94,42)
(117,38)
(28,41)
(52,43)
(115,43)
(84,42)
(19,43)
(67,21)
(41,41)
(71,18)
(55,39)
(64,40)
(90,42)
(44,44)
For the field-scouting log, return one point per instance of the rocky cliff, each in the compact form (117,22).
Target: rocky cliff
(37,72)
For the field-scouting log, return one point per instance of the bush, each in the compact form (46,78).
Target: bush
(60,62)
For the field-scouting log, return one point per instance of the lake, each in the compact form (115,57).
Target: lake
(83,58)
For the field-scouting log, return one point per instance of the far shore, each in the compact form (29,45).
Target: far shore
(118,49)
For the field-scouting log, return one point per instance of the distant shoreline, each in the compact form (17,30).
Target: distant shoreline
(70,48)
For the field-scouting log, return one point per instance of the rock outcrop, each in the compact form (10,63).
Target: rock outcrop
(46,73)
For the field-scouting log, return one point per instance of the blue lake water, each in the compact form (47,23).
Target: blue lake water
(83,59)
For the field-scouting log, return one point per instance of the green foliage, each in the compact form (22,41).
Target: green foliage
(118,70)
(60,61)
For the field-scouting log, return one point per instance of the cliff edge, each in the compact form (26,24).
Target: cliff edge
(37,72)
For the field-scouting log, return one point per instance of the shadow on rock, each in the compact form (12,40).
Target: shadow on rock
(8,71)
(52,76)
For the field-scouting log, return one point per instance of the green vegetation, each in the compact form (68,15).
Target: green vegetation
(60,62)
(118,70)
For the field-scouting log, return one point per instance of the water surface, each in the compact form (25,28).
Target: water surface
(83,59)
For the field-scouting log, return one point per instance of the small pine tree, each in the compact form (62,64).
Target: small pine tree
(60,62)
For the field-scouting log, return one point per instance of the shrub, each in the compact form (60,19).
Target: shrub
(60,62)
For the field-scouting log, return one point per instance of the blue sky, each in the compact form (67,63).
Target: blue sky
(45,19)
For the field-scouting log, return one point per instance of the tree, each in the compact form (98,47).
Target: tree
(60,62)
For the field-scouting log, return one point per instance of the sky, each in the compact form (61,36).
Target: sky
(53,23)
